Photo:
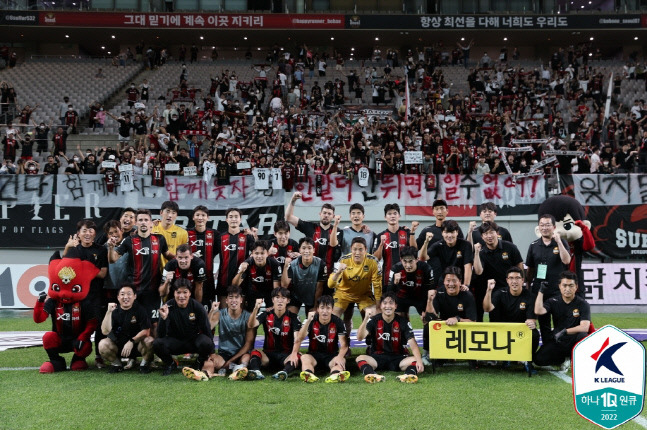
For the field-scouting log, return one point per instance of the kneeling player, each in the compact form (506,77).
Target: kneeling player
(387,336)
(127,328)
(281,328)
(328,343)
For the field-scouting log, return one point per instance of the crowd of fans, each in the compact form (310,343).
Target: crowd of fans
(277,120)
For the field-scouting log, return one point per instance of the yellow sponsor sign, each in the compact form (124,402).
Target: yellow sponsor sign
(480,341)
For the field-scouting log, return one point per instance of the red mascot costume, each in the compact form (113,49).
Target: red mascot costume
(73,317)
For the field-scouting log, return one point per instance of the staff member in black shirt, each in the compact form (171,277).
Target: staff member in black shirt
(571,320)
(492,262)
(183,327)
(547,257)
(127,328)
(515,305)
(450,251)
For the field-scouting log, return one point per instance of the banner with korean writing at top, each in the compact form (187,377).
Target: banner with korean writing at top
(480,341)
(410,190)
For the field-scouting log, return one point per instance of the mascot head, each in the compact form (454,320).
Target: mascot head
(566,211)
(69,279)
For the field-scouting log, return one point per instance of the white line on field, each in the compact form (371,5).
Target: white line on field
(642,422)
(4,369)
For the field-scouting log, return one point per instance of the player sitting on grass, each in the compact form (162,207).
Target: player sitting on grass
(281,328)
(328,343)
(387,336)
(235,340)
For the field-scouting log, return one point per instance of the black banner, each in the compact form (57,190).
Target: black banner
(620,231)
(52,225)
(497,22)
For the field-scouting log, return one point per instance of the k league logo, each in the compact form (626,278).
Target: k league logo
(609,377)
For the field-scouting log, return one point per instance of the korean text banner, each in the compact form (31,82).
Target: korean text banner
(480,341)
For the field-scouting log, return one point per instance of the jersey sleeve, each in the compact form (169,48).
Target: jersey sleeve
(102,258)
(516,255)
(276,269)
(201,270)
(468,257)
(585,311)
(407,331)
(295,323)
(321,274)
(163,244)
(125,246)
(305,227)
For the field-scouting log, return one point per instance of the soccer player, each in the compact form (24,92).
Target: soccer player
(203,242)
(328,344)
(127,328)
(320,233)
(258,275)
(440,211)
(356,229)
(235,340)
(515,305)
(233,248)
(450,251)
(487,212)
(492,262)
(357,280)
(174,234)
(282,245)
(387,335)
(305,276)
(413,283)
(184,265)
(184,327)
(145,250)
(393,239)
(281,328)
(571,320)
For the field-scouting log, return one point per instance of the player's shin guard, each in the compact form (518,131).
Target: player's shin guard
(411,369)
(255,361)
(365,368)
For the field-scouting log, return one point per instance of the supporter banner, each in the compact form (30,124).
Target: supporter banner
(620,231)
(26,189)
(616,283)
(480,341)
(18,18)
(51,227)
(409,190)
(521,22)
(191,20)
(91,190)
(610,190)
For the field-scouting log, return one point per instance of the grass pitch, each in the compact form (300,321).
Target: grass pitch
(452,398)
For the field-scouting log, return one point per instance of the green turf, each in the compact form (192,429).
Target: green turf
(454,397)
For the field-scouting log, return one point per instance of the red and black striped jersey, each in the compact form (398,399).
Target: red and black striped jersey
(325,337)
(233,250)
(279,331)
(388,337)
(144,263)
(393,242)
(205,242)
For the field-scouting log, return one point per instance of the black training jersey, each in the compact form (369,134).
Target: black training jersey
(127,323)
(438,235)
(145,262)
(413,285)
(441,255)
(325,337)
(461,305)
(388,337)
(567,315)
(279,331)
(184,323)
(497,261)
(514,309)
(540,253)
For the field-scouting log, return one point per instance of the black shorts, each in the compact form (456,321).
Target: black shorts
(323,359)
(226,355)
(277,359)
(297,304)
(388,361)
(134,353)
(405,303)
(151,301)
